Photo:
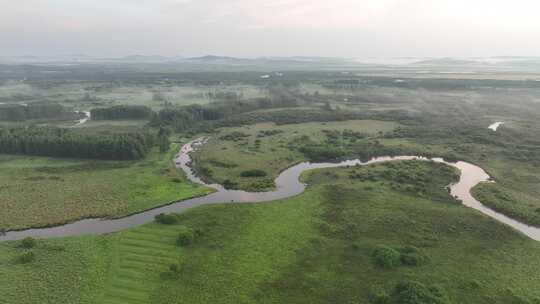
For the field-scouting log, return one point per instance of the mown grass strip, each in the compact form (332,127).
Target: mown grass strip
(142,254)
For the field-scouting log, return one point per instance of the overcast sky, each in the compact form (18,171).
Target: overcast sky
(251,28)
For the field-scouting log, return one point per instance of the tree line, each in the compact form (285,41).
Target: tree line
(17,112)
(184,118)
(57,142)
(121,112)
(194,116)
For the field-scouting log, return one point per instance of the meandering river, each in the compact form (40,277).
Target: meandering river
(287,185)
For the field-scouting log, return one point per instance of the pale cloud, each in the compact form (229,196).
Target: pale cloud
(272,27)
(313,13)
(357,13)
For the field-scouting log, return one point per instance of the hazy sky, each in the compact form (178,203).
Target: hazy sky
(352,28)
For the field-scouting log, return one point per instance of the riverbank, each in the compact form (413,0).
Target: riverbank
(45,192)
(315,247)
(288,185)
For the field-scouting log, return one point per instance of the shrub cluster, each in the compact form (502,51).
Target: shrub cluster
(322,152)
(411,256)
(186,236)
(229,184)
(222,164)
(253,173)
(266,133)
(28,243)
(388,257)
(412,292)
(166,219)
(172,273)
(234,136)
(27,257)
(288,116)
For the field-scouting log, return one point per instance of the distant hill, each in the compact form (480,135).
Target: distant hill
(215,58)
(446,61)
(142,58)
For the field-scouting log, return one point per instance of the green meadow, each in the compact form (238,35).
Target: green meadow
(40,191)
(319,247)
(268,147)
(381,234)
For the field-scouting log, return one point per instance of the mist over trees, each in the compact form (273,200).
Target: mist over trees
(189,117)
(17,112)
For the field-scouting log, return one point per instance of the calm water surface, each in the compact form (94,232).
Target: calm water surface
(287,185)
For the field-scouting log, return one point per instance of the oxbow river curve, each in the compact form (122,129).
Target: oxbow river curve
(287,185)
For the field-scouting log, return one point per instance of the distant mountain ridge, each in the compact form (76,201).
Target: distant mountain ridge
(214,58)
(446,61)
(269,63)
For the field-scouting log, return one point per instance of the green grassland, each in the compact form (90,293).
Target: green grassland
(223,158)
(317,247)
(508,155)
(313,248)
(64,271)
(40,191)
(516,191)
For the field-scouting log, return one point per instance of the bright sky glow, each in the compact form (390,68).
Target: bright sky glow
(352,28)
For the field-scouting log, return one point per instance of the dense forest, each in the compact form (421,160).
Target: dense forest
(19,112)
(121,112)
(184,118)
(58,142)
(192,117)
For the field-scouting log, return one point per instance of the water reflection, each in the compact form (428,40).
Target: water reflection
(287,185)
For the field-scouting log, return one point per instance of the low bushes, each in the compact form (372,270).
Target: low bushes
(388,257)
(253,173)
(266,133)
(379,297)
(289,116)
(28,243)
(412,292)
(261,185)
(221,164)
(234,136)
(166,219)
(186,236)
(411,256)
(322,153)
(172,273)
(27,257)
(229,184)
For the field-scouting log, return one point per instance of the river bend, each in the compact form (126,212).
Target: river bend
(287,185)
